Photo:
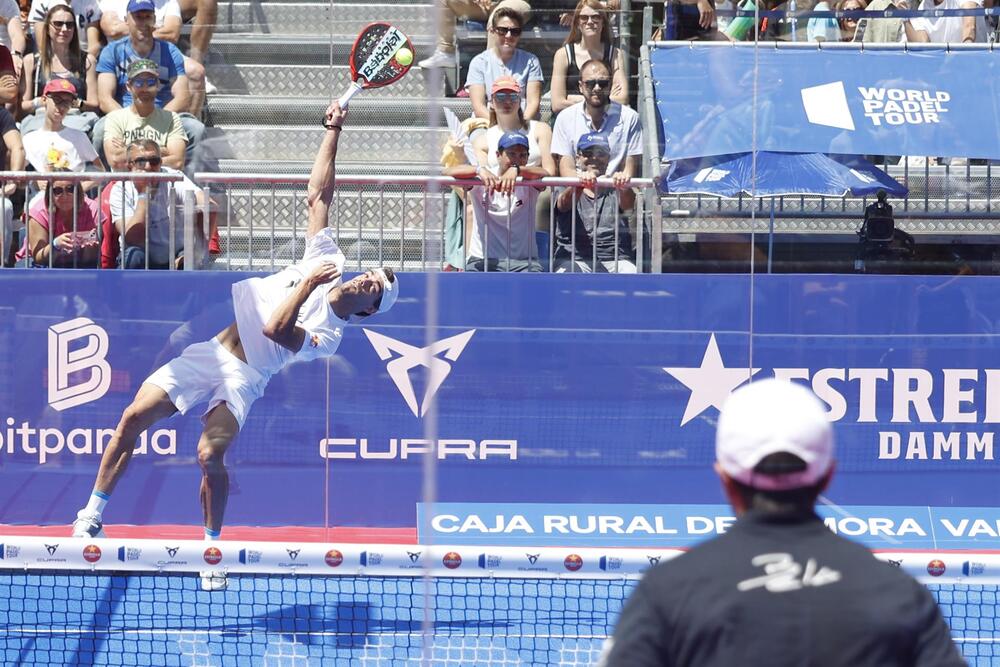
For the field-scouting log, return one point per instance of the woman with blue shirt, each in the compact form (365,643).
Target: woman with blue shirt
(505,59)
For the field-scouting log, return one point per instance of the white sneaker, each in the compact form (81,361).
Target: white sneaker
(438,59)
(214,580)
(210,88)
(88,524)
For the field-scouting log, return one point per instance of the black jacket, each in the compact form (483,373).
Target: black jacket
(780,591)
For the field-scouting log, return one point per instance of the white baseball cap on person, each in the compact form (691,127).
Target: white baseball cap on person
(390,290)
(771,416)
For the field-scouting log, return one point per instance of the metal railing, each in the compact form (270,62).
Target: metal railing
(396,221)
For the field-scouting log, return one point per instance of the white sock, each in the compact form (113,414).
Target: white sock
(212,535)
(97,502)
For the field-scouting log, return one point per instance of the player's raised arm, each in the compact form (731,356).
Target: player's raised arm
(322,177)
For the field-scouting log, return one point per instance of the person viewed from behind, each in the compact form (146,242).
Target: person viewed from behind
(779,587)
(589,38)
(59,56)
(505,59)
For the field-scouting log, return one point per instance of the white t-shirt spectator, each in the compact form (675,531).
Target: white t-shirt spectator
(123,201)
(8,10)
(504,224)
(947,29)
(487,67)
(87,12)
(67,146)
(620,126)
(164,8)
(255,300)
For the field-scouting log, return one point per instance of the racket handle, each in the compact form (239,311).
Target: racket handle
(351,92)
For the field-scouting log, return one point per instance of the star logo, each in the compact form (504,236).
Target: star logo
(711,383)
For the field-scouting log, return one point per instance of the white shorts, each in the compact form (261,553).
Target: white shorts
(209,372)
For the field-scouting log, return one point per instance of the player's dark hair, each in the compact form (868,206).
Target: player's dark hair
(391,277)
(779,502)
(508,13)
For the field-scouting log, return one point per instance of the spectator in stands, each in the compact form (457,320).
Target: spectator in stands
(12,35)
(822,29)
(55,147)
(778,587)
(589,38)
(947,29)
(848,25)
(505,59)
(86,17)
(112,74)
(592,233)
(203,15)
(138,204)
(597,113)
(144,120)
(503,231)
(506,116)
(167,27)
(11,159)
(59,58)
(477,10)
(691,20)
(9,73)
(74,244)
(885,30)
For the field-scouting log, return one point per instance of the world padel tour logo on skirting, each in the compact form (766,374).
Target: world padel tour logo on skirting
(881,396)
(828,105)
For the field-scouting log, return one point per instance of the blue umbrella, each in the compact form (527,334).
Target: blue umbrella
(779,174)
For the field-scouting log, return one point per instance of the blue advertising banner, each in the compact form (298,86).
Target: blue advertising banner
(590,390)
(883,101)
(683,526)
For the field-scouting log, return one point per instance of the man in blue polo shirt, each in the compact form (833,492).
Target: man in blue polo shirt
(597,113)
(112,73)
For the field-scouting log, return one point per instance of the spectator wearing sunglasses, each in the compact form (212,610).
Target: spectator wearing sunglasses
(140,210)
(86,23)
(142,119)
(60,56)
(589,38)
(67,217)
(477,10)
(505,59)
(597,113)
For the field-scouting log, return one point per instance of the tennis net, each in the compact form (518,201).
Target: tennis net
(130,604)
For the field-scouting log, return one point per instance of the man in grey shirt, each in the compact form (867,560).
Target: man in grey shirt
(141,211)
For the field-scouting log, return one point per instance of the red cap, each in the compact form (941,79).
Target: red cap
(59,86)
(505,83)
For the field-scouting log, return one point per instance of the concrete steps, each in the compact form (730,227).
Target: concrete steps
(388,145)
(341,21)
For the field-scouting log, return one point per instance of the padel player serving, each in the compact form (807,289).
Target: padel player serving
(294,315)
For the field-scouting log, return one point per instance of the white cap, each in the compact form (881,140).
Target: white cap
(771,416)
(390,290)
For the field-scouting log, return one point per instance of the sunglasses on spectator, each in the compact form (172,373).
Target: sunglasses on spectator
(592,83)
(62,25)
(594,152)
(504,31)
(59,190)
(506,97)
(144,82)
(62,100)
(144,161)
(590,18)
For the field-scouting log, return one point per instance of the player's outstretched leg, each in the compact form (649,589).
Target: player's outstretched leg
(221,428)
(151,404)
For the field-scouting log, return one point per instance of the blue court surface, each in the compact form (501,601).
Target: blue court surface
(165,619)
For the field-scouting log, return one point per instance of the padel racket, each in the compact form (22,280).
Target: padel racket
(373,59)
